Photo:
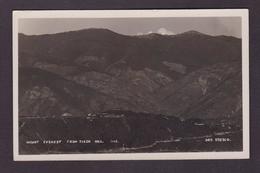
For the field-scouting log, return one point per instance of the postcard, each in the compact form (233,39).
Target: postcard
(130,84)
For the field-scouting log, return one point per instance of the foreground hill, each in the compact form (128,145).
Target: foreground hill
(124,131)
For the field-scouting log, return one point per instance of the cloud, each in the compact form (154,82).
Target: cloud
(164,31)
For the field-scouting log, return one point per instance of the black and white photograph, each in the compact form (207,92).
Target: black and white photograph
(130,84)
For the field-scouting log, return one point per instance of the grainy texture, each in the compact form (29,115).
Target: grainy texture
(9,166)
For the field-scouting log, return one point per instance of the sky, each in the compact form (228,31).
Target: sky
(230,26)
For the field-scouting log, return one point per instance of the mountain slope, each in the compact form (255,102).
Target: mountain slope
(209,93)
(43,93)
(189,75)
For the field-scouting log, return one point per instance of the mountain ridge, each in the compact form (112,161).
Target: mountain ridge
(189,32)
(134,73)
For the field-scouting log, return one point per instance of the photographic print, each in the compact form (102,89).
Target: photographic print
(130,84)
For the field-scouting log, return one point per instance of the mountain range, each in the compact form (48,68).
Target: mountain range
(188,75)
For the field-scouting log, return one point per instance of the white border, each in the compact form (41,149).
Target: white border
(243,13)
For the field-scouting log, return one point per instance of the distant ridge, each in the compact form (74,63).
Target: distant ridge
(105,30)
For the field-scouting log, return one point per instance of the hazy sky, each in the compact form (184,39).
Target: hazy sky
(230,26)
